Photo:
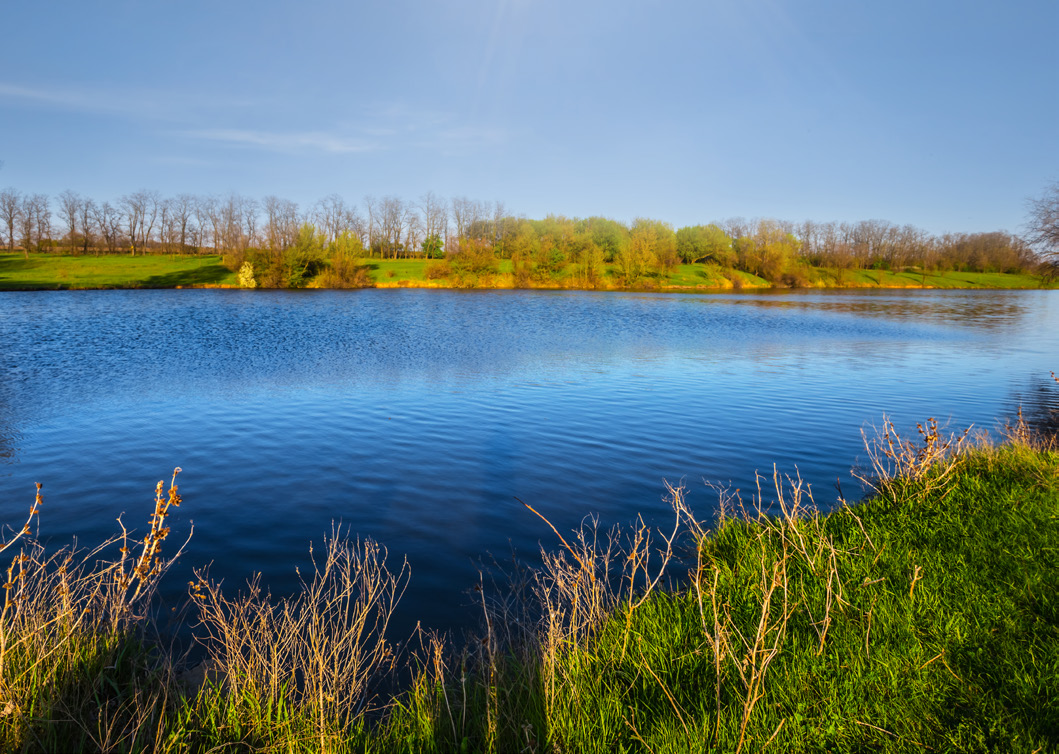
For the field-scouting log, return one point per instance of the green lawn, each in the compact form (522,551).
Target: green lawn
(57,272)
(831,277)
(54,272)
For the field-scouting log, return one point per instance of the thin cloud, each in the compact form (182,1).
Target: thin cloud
(137,103)
(320,141)
(66,99)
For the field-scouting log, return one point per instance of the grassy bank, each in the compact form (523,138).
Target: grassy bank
(60,272)
(924,619)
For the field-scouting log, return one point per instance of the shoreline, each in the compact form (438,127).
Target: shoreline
(43,272)
(922,614)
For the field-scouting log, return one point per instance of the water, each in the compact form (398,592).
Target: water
(418,417)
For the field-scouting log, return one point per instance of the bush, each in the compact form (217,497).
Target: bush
(344,272)
(437,270)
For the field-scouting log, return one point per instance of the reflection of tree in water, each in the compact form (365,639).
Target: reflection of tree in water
(7,432)
(1040,405)
(988,311)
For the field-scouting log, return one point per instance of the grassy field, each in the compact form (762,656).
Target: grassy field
(924,619)
(55,272)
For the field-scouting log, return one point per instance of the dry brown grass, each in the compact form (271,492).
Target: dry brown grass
(72,617)
(315,653)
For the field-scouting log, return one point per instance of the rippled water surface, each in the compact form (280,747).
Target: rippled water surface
(417,417)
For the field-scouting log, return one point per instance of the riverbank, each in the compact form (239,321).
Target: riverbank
(67,272)
(924,618)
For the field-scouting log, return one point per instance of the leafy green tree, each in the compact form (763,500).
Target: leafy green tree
(433,247)
(651,246)
(296,265)
(700,243)
(609,235)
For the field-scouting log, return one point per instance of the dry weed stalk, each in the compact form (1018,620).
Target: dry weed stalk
(64,608)
(931,464)
(319,650)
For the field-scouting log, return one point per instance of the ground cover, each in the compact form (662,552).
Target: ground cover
(57,272)
(925,618)
(53,272)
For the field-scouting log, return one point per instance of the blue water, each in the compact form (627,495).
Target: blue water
(416,417)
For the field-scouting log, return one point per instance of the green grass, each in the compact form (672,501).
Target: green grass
(52,272)
(392,271)
(711,276)
(963,661)
(924,619)
(58,272)
(884,278)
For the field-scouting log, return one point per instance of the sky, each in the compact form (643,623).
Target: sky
(943,114)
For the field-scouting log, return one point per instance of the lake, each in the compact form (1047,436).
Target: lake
(417,417)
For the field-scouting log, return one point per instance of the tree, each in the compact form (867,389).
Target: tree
(70,209)
(35,217)
(141,213)
(704,242)
(433,247)
(435,224)
(10,208)
(88,208)
(1043,225)
(108,219)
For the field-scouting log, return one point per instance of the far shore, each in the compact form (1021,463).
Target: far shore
(124,271)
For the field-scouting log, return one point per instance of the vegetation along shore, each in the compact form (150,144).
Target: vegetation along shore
(925,617)
(145,240)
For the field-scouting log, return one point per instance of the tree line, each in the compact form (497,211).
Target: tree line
(285,244)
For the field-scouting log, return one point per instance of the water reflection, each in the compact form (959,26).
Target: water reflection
(978,309)
(1039,401)
(417,417)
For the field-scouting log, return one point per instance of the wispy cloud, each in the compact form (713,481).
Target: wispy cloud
(66,99)
(386,125)
(320,141)
(150,104)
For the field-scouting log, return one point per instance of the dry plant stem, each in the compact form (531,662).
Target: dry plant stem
(491,699)
(759,654)
(774,734)
(560,536)
(917,574)
(931,464)
(318,650)
(669,696)
(34,512)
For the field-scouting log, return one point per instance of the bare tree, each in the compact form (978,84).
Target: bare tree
(167,231)
(371,204)
(281,223)
(35,216)
(10,212)
(109,220)
(87,211)
(329,216)
(413,229)
(205,212)
(70,210)
(1043,224)
(141,214)
(183,207)
(435,217)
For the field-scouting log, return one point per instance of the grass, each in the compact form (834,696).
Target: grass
(54,272)
(925,618)
(62,272)
(831,277)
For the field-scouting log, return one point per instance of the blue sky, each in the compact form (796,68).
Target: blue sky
(940,114)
